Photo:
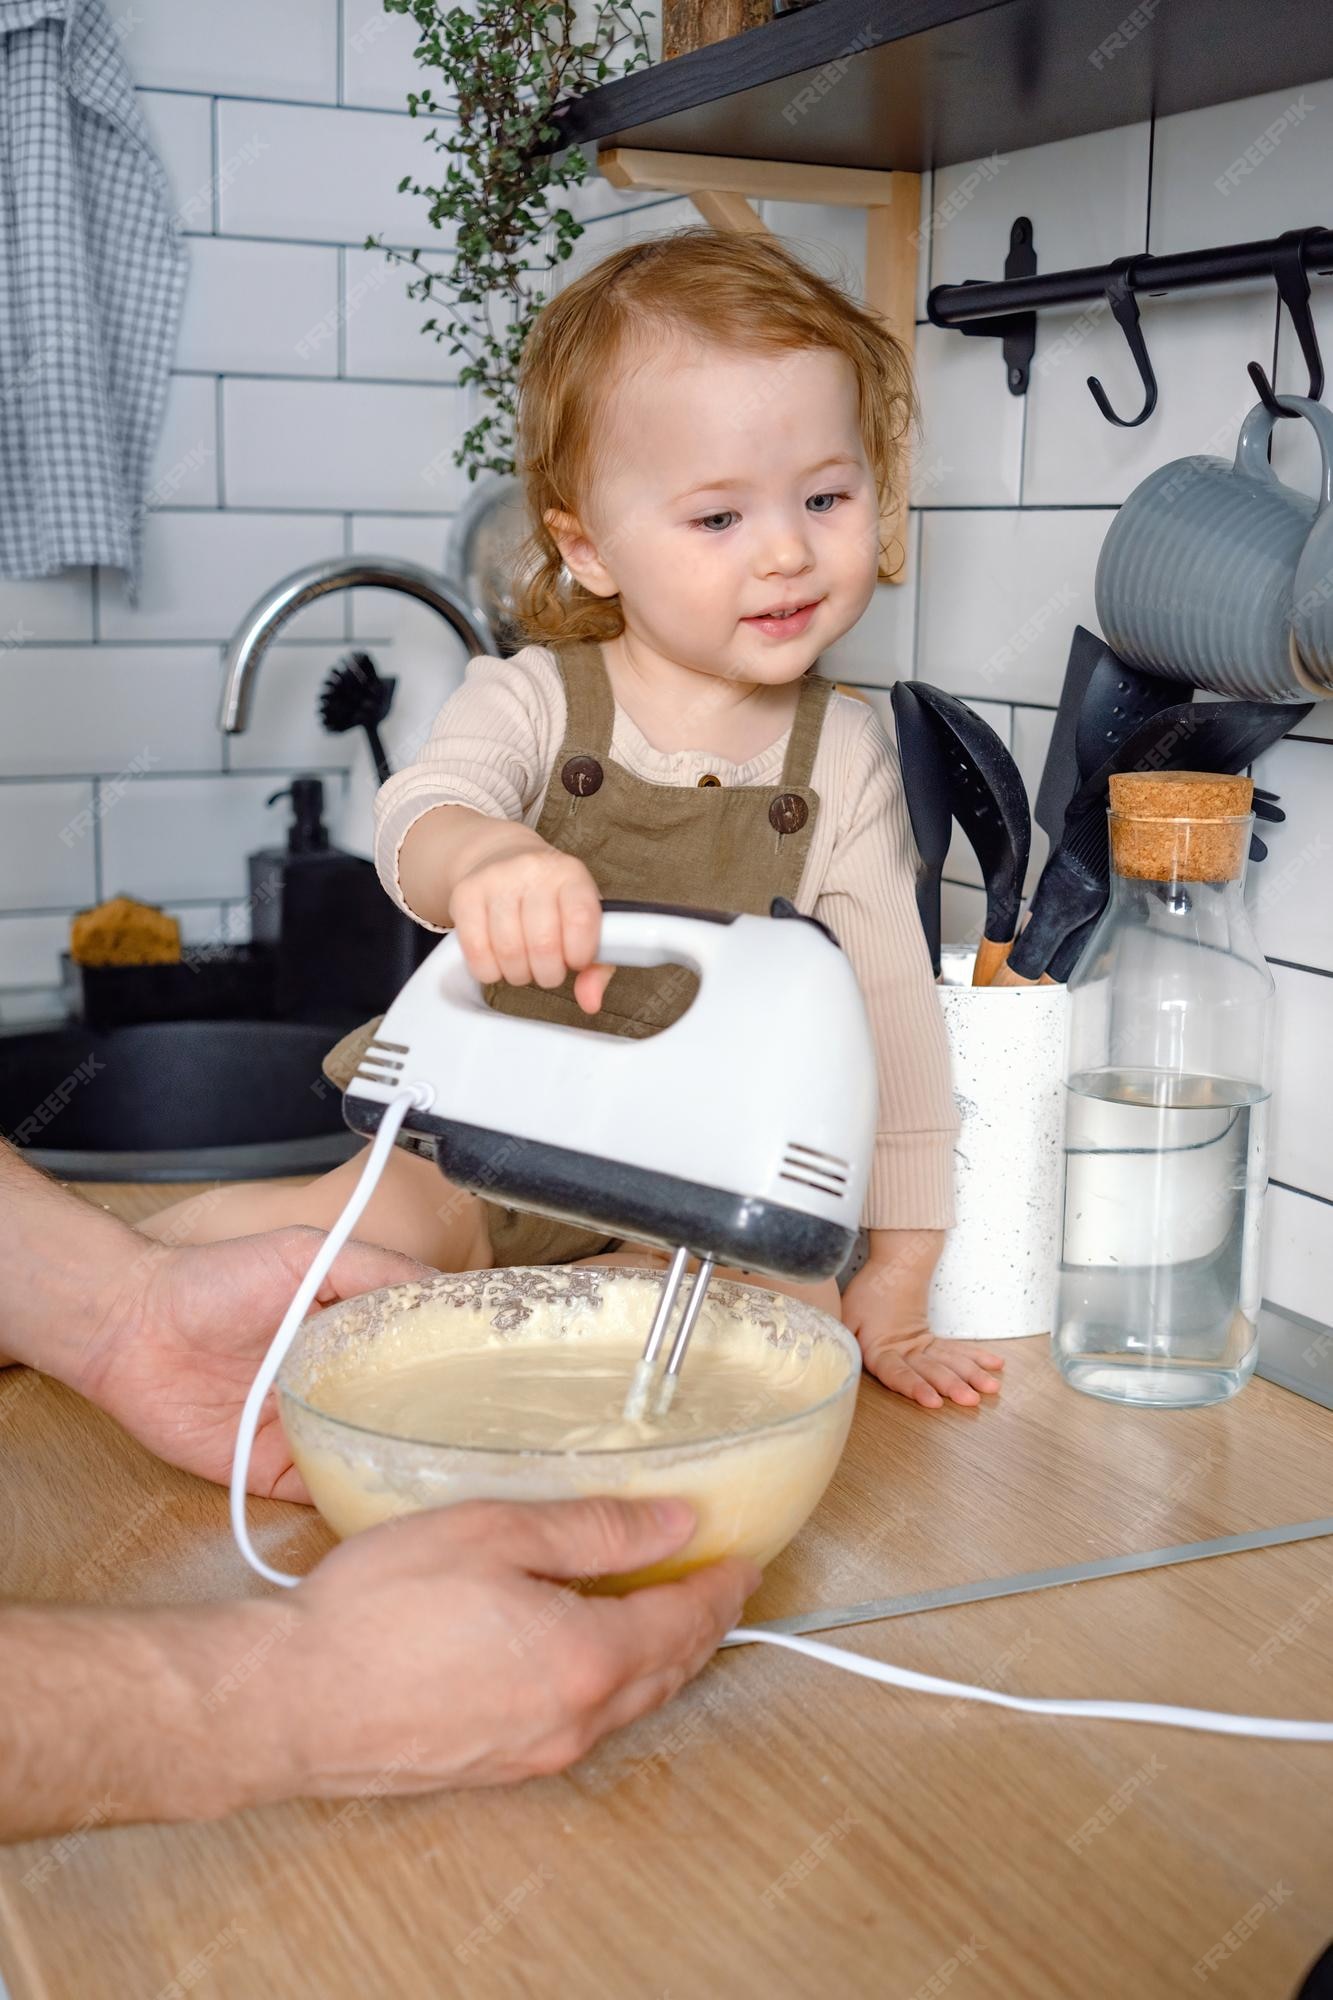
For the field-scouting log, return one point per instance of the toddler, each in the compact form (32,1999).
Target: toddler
(708,434)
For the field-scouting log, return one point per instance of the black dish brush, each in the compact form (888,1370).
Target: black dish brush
(357,696)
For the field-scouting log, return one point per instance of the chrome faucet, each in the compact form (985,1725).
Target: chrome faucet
(264,620)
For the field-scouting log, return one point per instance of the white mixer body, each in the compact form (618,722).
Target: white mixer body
(744,1127)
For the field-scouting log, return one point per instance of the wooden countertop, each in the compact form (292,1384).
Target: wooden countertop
(781,1828)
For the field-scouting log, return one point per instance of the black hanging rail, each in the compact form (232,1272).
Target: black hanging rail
(1001,306)
(959,305)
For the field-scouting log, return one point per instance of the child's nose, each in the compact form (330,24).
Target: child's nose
(787,551)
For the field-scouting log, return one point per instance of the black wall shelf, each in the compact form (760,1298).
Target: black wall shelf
(904,85)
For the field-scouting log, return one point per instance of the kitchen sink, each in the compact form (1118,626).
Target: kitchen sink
(174,1100)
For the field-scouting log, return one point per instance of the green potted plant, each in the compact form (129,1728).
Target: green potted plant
(503,67)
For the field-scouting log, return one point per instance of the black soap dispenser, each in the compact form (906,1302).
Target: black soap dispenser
(341,947)
(307,835)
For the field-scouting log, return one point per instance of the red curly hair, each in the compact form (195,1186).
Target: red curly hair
(712,285)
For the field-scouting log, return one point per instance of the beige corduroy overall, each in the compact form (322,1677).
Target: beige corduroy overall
(705,845)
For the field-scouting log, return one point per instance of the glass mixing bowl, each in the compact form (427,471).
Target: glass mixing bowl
(752,1484)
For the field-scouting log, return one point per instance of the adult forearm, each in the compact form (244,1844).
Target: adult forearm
(62,1259)
(113,1716)
(446,844)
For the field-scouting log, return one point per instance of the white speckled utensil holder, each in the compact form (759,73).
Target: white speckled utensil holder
(996,1278)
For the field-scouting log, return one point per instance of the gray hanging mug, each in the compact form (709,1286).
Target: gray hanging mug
(1197,575)
(1312,610)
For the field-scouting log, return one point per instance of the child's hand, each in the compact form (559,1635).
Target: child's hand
(885,1307)
(525,912)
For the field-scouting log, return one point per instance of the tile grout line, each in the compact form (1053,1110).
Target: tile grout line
(99,890)
(213,146)
(220,408)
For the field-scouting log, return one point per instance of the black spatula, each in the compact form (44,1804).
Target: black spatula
(1060,774)
(925,768)
(1117,699)
(1201,736)
(989,800)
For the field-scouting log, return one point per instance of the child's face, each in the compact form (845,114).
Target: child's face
(732,483)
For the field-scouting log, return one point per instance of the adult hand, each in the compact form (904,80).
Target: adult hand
(475,1662)
(444,1649)
(176,1350)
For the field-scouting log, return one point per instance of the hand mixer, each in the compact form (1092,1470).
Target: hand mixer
(742,1133)
(743,1130)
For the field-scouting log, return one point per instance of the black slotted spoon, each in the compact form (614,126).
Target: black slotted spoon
(988,798)
(925,771)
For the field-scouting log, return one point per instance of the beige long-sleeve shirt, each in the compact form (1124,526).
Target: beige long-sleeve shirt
(492,747)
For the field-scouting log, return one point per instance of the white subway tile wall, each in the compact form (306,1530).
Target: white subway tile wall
(309,417)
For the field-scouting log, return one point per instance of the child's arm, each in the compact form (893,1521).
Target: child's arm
(868,899)
(885,1306)
(523,911)
(453,847)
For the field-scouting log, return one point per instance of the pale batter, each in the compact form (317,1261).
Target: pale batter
(535,1413)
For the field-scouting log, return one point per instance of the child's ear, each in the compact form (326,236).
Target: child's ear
(580,553)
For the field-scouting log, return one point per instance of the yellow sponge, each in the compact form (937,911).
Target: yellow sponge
(123,932)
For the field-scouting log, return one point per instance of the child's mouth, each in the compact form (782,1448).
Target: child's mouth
(781,625)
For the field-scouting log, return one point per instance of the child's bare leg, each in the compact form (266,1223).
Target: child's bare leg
(414,1209)
(823,1294)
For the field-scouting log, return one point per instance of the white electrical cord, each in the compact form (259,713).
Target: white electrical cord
(1216,1720)
(394,1113)
(1222,1724)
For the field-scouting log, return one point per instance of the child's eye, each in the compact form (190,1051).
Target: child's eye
(823,496)
(706,520)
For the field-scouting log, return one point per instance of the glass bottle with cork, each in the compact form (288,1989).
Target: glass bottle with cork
(1167,1089)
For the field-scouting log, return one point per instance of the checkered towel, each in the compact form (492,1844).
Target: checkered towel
(92,272)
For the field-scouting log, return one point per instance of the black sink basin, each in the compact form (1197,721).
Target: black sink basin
(174,1100)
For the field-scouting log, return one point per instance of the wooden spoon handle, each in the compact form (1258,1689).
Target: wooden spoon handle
(991,955)
(1006,976)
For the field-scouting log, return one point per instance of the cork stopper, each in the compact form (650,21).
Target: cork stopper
(1172,826)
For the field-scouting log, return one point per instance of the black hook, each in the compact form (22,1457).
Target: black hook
(1120,297)
(1293,286)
